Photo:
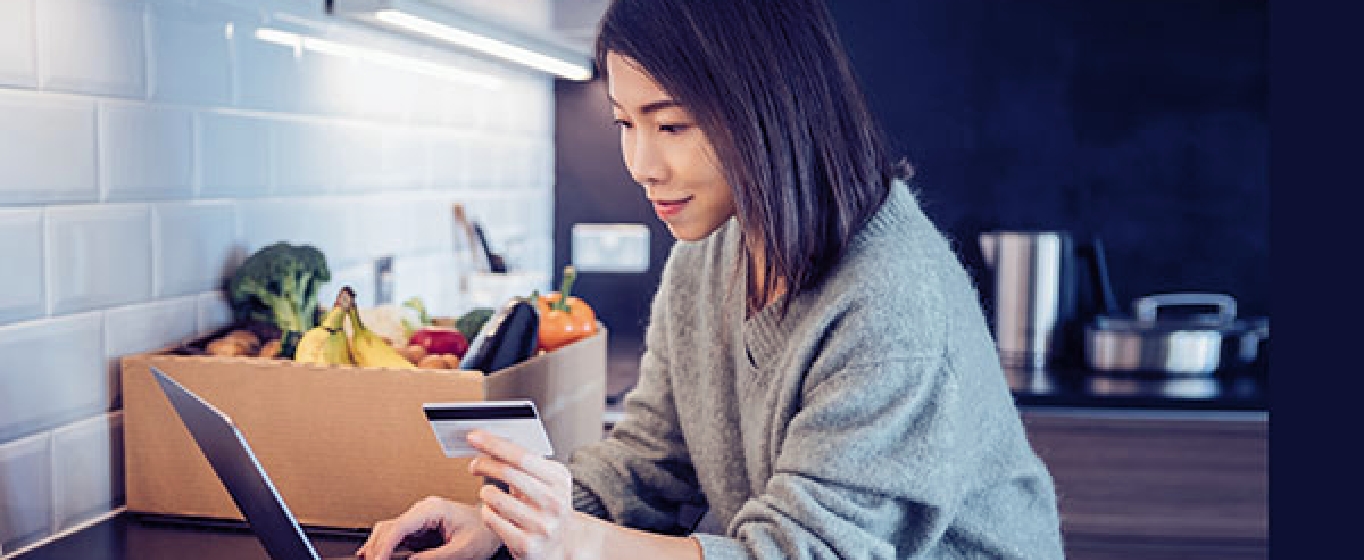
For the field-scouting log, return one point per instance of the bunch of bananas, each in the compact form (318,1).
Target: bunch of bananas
(327,343)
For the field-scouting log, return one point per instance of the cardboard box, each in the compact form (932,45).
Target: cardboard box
(345,446)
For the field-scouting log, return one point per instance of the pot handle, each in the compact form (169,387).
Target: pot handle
(1146,308)
(1093,254)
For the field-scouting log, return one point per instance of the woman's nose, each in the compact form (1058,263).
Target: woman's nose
(646,163)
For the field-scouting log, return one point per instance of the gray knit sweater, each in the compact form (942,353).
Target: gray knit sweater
(873,421)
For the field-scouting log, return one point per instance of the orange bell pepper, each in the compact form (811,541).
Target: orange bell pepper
(564,321)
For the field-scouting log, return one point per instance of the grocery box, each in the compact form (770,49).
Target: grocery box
(345,446)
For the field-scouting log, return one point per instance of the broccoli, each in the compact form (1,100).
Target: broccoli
(278,284)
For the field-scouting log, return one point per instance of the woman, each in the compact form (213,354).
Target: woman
(818,374)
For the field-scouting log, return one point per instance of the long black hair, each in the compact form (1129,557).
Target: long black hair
(769,83)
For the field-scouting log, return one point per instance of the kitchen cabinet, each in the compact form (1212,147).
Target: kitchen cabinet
(1155,484)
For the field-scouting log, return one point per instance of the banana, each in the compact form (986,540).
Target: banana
(368,348)
(326,344)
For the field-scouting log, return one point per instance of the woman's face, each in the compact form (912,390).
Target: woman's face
(667,153)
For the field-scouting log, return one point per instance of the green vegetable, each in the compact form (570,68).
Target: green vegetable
(415,303)
(423,318)
(471,322)
(278,284)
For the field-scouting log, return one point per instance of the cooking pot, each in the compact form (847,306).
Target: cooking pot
(1189,344)
(1038,303)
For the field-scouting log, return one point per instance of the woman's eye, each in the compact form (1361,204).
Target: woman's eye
(673,128)
(621,123)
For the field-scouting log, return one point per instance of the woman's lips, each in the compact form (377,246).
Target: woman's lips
(669,208)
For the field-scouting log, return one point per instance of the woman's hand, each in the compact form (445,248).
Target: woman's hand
(462,534)
(536,519)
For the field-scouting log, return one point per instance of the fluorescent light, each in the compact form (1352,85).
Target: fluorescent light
(278,37)
(408,64)
(448,25)
(486,45)
(332,48)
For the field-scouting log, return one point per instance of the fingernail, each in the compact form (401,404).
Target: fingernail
(475,437)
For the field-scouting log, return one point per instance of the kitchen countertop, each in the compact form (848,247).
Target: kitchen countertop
(1077,387)
(130,536)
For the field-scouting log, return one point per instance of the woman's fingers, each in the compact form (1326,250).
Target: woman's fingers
(381,542)
(521,514)
(517,541)
(515,455)
(522,485)
(497,447)
(387,534)
(534,479)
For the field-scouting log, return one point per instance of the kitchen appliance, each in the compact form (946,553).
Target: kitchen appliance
(1038,312)
(1182,343)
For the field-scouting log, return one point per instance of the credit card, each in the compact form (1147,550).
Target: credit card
(515,421)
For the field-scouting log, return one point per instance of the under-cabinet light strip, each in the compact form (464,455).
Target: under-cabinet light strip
(333,48)
(485,45)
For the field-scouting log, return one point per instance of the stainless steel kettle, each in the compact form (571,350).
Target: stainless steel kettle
(1037,314)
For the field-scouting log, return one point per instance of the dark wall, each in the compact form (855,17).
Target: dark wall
(1142,122)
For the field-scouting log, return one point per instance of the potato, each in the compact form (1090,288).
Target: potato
(432,361)
(226,346)
(270,349)
(414,353)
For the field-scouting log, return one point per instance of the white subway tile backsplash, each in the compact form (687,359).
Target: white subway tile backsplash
(146,151)
(267,74)
(360,278)
(190,56)
(234,155)
(98,256)
(354,156)
(91,46)
(222,143)
(47,149)
(321,222)
(143,327)
(404,159)
(21,282)
(433,277)
(18,64)
(53,372)
(213,312)
(385,225)
(133,329)
(197,246)
(484,170)
(451,155)
(302,157)
(25,491)
(328,84)
(87,468)
(431,224)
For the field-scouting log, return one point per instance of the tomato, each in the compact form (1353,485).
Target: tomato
(440,340)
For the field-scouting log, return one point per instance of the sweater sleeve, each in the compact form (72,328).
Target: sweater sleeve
(641,475)
(869,468)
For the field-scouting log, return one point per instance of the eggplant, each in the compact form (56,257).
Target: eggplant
(509,337)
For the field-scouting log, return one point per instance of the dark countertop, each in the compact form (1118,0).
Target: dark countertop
(130,536)
(1078,387)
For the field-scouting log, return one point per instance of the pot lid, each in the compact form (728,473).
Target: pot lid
(1149,319)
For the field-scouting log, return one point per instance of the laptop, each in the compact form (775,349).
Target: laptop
(242,475)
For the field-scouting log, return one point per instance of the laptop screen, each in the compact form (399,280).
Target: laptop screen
(241,474)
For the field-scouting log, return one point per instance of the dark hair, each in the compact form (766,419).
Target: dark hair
(770,85)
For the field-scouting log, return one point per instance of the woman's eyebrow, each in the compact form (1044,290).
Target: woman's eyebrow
(649,108)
